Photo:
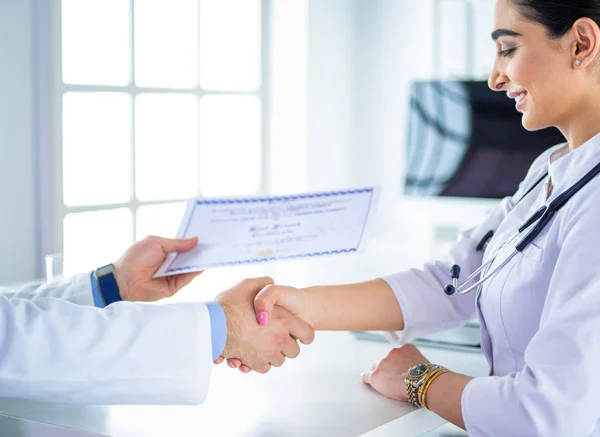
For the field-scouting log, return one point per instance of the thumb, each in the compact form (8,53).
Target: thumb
(184,279)
(265,300)
(177,244)
(366,377)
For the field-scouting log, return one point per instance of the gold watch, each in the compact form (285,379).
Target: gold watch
(415,379)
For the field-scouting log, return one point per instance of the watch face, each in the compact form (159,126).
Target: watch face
(105,270)
(418,370)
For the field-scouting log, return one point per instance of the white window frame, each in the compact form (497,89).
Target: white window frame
(50,91)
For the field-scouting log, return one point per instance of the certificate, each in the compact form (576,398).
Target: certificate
(236,231)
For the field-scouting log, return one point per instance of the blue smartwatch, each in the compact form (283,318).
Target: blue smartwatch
(107,284)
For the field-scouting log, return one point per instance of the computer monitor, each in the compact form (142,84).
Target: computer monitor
(466,140)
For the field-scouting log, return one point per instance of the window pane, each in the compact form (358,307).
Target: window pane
(96,42)
(161,220)
(93,239)
(166,146)
(230,145)
(230,36)
(96,148)
(166,43)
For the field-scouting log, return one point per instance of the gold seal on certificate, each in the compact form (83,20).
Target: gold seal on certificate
(246,230)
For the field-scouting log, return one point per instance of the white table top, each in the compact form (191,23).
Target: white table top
(18,427)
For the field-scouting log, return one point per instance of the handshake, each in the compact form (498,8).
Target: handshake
(264,324)
(281,311)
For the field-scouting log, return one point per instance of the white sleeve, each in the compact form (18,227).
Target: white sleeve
(558,391)
(420,292)
(53,350)
(76,289)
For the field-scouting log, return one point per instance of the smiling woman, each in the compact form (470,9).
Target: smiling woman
(535,37)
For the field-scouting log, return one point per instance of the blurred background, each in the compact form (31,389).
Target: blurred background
(114,112)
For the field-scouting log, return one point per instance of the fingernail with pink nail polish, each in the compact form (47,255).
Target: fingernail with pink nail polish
(263,318)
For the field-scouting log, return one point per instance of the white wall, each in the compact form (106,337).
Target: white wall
(363,55)
(331,96)
(287,96)
(18,228)
(484,48)
(394,41)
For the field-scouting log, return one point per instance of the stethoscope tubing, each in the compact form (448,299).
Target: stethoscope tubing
(538,220)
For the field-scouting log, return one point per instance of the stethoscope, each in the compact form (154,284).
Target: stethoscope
(542,216)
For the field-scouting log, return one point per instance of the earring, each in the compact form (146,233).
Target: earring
(577,62)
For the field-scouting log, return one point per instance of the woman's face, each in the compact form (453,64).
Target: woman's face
(532,68)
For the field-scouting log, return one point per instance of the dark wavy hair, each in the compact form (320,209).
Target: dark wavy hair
(558,16)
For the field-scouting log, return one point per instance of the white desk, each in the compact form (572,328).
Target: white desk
(318,394)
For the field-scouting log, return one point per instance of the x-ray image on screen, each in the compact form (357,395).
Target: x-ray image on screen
(466,140)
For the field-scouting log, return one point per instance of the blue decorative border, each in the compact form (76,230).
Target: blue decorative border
(262,260)
(282,198)
(272,200)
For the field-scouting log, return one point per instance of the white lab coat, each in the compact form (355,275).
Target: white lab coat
(55,346)
(540,315)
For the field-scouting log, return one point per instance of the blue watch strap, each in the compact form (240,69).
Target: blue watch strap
(109,290)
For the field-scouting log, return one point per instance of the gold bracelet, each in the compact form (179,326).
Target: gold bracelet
(421,388)
(425,386)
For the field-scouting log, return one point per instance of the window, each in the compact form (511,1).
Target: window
(158,101)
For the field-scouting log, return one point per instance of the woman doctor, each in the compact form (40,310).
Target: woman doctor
(540,311)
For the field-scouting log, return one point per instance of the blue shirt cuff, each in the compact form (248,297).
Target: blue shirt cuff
(218,328)
(98,301)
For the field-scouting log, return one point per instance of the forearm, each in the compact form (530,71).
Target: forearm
(55,351)
(76,289)
(365,306)
(445,394)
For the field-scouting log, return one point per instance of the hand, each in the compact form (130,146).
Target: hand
(260,347)
(290,298)
(135,269)
(387,375)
